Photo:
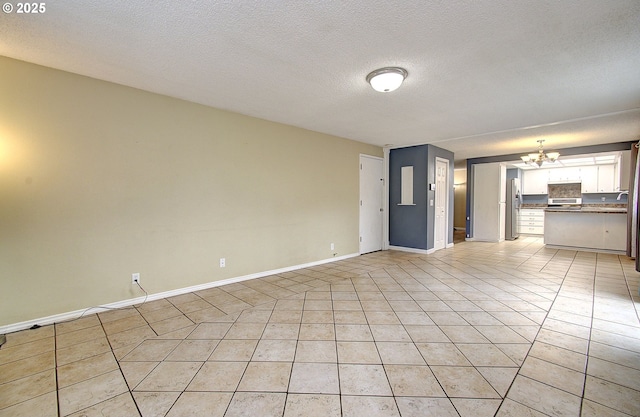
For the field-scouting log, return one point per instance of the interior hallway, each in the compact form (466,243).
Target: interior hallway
(481,329)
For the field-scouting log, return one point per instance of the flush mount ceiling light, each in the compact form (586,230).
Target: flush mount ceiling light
(540,157)
(387,79)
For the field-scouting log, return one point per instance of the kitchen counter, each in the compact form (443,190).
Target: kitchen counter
(598,209)
(599,228)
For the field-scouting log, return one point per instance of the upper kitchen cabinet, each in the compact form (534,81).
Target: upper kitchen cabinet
(589,179)
(607,176)
(568,174)
(603,179)
(597,174)
(535,181)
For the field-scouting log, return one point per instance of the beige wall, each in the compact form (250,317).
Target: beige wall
(98,181)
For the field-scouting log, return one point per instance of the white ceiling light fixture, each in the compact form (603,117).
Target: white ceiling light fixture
(540,157)
(387,79)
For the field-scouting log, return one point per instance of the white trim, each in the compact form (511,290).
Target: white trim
(57,318)
(411,250)
(449,245)
(580,249)
(384,209)
(447,202)
(371,157)
(385,203)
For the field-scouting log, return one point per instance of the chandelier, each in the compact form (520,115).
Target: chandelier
(540,157)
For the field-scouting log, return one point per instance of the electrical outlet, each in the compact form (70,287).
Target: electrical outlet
(223,263)
(333,246)
(135,278)
(603,198)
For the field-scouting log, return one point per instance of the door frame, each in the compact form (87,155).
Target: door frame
(439,190)
(382,201)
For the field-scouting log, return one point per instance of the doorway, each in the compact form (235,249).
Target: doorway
(371,203)
(441,223)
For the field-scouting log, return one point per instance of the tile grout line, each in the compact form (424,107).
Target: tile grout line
(593,307)
(55,367)
(534,340)
(119,367)
(386,374)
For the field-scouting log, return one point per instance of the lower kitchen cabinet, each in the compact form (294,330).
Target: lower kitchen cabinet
(531,221)
(606,231)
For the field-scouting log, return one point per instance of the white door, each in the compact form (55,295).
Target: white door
(442,199)
(371,203)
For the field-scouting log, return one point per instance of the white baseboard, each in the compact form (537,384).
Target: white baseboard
(420,251)
(580,249)
(410,250)
(57,318)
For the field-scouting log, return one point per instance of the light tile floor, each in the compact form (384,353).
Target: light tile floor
(507,329)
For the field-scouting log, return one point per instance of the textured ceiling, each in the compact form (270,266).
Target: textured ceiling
(486,77)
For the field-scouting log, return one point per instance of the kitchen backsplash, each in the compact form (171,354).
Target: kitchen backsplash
(568,190)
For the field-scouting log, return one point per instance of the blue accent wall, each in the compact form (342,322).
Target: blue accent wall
(412,226)
(408,224)
(513,173)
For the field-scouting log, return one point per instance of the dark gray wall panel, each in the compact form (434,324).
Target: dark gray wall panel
(408,224)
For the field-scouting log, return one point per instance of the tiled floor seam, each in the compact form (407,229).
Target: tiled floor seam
(586,365)
(506,396)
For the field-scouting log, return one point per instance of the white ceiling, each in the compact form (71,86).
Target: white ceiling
(486,77)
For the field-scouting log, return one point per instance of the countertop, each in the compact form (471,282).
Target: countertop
(587,209)
(590,208)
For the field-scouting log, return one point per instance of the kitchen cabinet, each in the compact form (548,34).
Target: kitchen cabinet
(601,179)
(489,196)
(607,179)
(589,179)
(534,181)
(594,178)
(606,231)
(531,221)
(566,174)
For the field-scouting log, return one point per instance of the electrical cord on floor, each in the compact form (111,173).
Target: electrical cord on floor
(146,296)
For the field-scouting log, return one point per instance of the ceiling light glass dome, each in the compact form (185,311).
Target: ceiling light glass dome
(387,79)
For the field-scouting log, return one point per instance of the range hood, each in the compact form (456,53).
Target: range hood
(564,201)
